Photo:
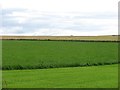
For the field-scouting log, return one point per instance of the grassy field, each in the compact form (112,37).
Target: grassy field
(51,54)
(76,77)
(36,56)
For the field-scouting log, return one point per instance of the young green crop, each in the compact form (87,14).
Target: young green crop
(49,54)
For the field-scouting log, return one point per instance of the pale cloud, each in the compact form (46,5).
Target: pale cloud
(59,17)
(63,5)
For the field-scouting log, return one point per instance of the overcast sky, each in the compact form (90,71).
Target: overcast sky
(59,17)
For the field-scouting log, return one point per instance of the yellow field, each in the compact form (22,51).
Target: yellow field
(97,38)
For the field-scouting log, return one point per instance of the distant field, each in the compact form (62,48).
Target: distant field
(25,54)
(96,38)
(77,77)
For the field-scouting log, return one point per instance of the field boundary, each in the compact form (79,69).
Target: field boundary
(19,67)
(63,38)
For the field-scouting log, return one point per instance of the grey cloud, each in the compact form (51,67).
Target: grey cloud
(98,16)
(10,21)
(11,10)
(51,21)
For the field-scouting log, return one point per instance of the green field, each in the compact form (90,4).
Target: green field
(38,56)
(74,77)
(50,54)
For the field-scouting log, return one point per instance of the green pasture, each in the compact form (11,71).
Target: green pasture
(23,54)
(74,77)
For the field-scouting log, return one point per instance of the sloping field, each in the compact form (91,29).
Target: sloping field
(77,77)
(96,38)
(24,54)
(40,55)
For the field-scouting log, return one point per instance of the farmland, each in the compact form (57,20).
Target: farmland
(88,38)
(74,77)
(59,64)
(53,54)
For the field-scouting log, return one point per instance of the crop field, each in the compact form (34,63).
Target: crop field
(23,54)
(74,77)
(95,38)
(39,64)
